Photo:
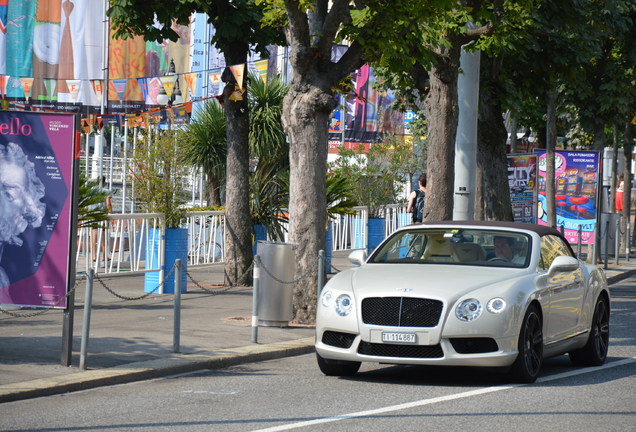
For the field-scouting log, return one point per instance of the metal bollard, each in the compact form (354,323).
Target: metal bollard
(627,235)
(617,240)
(606,245)
(88,301)
(321,271)
(177,307)
(256,277)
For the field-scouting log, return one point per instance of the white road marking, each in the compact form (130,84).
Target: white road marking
(446,398)
(229,392)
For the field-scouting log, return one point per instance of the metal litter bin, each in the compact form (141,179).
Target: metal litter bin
(275,293)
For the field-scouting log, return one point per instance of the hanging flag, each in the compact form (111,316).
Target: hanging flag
(49,85)
(238,71)
(5,104)
(27,83)
(216,84)
(143,85)
(98,86)
(167,81)
(120,87)
(191,81)
(188,107)
(73,88)
(171,115)
(4,79)
(237,94)
(86,126)
(261,67)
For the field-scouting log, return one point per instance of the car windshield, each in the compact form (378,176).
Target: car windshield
(477,247)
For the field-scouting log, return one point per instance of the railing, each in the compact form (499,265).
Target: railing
(350,231)
(120,246)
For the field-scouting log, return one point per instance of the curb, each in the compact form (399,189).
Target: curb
(619,277)
(153,369)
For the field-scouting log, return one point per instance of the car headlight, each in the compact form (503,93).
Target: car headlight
(496,305)
(468,310)
(326,298)
(344,305)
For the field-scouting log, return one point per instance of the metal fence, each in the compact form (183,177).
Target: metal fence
(120,246)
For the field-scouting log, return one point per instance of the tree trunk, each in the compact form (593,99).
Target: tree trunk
(514,125)
(442,116)
(491,148)
(628,147)
(238,221)
(306,111)
(550,144)
(214,190)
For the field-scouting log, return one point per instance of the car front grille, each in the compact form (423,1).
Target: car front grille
(338,339)
(402,351)
(401,311)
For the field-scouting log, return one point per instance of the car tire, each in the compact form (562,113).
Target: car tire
(594,352)
(526,367)
(337,367)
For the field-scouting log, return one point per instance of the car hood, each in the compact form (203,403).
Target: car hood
(433,281)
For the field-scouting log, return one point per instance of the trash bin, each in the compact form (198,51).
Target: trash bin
(275,293)
(608,232)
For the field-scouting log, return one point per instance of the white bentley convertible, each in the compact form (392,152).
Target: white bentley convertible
(490,294)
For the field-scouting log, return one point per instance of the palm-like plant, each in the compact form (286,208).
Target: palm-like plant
(204,145)
(269,185)
(267,139)
(91,210)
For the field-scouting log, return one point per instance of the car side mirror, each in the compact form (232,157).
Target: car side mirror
(563,264)
(358,257)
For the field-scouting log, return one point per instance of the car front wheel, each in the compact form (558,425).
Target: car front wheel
(337,367)
(594,352)
(526,367)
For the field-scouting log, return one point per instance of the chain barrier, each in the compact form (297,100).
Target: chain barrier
(333,267)
(218,291)
(298,279)
(141,297)
(43,311)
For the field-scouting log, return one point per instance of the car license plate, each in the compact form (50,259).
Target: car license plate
(398,337)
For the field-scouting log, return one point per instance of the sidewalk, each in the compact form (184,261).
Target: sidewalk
(133,340)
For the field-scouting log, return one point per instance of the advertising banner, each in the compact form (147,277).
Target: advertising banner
(576,180)
(522,181)
(36,168)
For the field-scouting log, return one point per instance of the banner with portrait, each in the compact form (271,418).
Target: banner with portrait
(36,170)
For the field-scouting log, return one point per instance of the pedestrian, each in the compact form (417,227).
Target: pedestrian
(620,184)
(416,200)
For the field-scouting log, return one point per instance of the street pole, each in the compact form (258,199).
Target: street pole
(466,138)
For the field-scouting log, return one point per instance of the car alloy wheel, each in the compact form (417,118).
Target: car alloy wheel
(594,352)
(528,364)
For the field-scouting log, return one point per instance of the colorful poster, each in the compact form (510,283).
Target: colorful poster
(576,191)
(367,115)
(36,166)
(522,181)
